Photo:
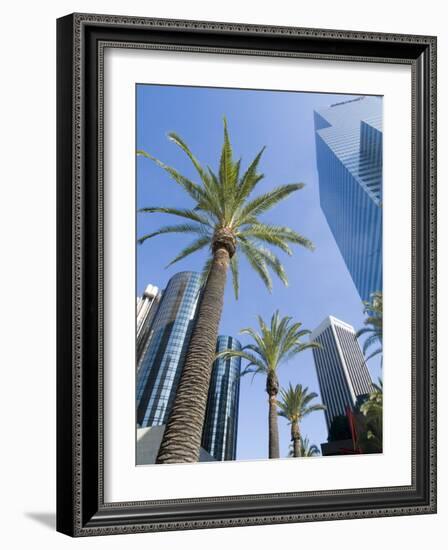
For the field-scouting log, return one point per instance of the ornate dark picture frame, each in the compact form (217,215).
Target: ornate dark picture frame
(81,39)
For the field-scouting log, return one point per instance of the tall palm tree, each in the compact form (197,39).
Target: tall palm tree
(273,345)
(373,324)
(294,404)
(306,449)
(225,218)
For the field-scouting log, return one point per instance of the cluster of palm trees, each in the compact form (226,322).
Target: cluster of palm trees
(272,345)
(225,220)
(373,324)
(371,440)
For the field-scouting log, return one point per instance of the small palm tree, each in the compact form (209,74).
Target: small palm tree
(273,345)
(373,324)
(306,449)
(294,404)
(225,219)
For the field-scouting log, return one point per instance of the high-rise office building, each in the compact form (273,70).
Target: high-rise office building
(341,368)
(162,361)
(219,436)
(349,143)
(146,309)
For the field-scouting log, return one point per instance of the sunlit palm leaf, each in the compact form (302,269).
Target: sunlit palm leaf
(181,228)
(196,245)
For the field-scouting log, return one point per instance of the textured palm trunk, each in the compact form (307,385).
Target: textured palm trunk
(272,390)
(295,437)
(182,438)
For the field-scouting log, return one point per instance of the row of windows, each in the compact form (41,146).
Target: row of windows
(354,134)
(355,362)
(221,419)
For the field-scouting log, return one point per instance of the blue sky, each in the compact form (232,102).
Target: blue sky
(319,283)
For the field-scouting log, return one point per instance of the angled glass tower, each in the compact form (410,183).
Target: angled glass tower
(349,143)
(221,419)
(162,361)
(341,368)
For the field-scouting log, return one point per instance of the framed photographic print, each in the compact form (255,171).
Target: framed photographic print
(234,202)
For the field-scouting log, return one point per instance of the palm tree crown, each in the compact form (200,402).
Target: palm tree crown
(225,215)
(274,344)
(373,324)
(306,449)
(294,404)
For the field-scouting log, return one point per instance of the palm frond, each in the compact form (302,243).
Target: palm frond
(294,403)
(265,202)
(175,138)
(373,324)
(257,263)
(235,275)
(271,260)
(196,245)
(228,170)
(364,330)
(206,271)
(180,228)
(371,339)
(249,357)
(274,234)
(255,336)
(194,190)
(306,449)
(313,408)
(374,354)
(181,212)
(250,179)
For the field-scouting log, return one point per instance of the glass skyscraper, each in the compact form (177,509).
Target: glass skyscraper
(221,419)
(341,368)
(349,142)
(162,361)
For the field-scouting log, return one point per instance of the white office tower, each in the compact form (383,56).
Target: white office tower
(341,368)
(146,308)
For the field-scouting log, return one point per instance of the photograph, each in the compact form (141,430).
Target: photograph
(259,274)
(229,217)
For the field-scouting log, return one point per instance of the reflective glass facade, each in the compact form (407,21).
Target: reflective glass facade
(162,362)
(349,143)
(219,437)
(341,368)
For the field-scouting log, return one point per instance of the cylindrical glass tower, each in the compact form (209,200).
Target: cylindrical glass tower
(162,363)
(219,436)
